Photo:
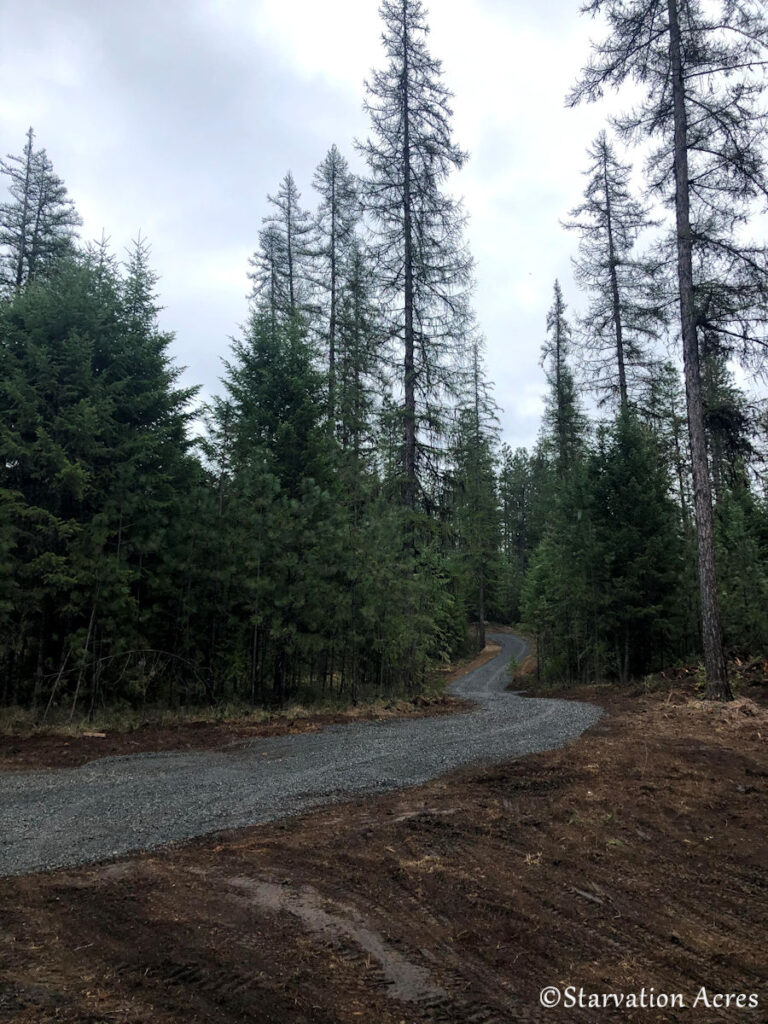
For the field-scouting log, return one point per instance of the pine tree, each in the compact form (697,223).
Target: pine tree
(39,223)
(515,498)
(563,416)
(699,68)
(623,314)
(361,373)
(337,217)
(422,265)
(744,570)
(636,548)
(474,508)
(93,442)
(558,592)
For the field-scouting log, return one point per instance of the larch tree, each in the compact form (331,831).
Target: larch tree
(269,287)
(623,314)
(423,266)
(39,222)
(337,216)
(279,266)
(700,68)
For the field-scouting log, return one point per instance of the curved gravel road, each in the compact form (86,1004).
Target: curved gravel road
(115,805)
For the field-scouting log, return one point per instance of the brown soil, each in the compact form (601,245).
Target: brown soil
(635,857)
(62,749)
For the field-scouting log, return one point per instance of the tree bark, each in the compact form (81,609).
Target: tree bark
(717,687)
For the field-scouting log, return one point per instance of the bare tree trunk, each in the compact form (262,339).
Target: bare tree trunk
(254,661)
(481,611)
(55,686)
(717,687)
(83,666)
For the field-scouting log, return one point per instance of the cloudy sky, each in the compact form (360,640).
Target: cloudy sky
(176,117)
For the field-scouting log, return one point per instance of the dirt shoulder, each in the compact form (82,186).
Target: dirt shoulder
(70,748)
(633,858)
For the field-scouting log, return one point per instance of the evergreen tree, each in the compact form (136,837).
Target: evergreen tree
(563,417)
(361,372)
(93,441)
(337,217)
(623,314)
(422,266)
(700,70)
(515,498)
(557,593)
(474,508)
(267,273)
(38,224)
(663,410)
(280,273)
(636,549)
(726,421)
(740,527)
(277,464)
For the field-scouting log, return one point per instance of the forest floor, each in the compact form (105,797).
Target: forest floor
(635,857)
(25,745)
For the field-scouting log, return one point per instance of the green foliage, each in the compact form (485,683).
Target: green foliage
(743,565)
(602,587)
(93,442)
(38,221)
(345,518)
(636,548)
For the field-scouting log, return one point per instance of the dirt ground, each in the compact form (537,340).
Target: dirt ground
(636,857)
(68,748)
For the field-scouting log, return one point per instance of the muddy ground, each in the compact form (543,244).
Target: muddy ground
(634,857)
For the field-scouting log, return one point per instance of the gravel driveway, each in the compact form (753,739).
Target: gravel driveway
(115,805)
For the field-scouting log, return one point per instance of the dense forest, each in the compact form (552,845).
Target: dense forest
(344,514)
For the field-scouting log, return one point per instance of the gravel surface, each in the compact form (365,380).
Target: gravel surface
(115,805)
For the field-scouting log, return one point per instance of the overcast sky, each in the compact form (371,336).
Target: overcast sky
(176,117)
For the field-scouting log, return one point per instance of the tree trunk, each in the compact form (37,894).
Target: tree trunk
(332,323)
(22,254)
(409,367)
(289,243)
(717,687)
(254,662)
(615,292)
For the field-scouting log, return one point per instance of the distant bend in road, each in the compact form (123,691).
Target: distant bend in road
(117,805)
